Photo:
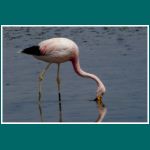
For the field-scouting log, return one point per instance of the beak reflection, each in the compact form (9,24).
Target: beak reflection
(101,110)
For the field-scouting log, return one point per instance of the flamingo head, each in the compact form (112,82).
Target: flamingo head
(100,92)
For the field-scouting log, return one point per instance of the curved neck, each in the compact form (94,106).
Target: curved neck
(80,72)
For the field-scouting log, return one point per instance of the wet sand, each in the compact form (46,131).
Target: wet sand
(117,55)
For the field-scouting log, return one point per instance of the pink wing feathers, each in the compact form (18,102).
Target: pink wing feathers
(57,47)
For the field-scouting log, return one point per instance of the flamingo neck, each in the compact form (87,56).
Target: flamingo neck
(80,72)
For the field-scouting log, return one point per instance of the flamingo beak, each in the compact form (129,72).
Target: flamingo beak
(99,98)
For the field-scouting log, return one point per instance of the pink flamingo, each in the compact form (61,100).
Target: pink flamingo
(60,50)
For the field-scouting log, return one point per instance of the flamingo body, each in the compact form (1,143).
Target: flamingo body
(57,50)
(60,50)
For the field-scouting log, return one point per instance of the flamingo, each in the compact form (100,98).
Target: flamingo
(60,50)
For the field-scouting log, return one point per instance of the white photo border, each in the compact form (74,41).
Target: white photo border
(2,26)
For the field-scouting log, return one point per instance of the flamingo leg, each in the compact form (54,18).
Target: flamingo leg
(42,74)
(59,95)
(41,78)
(58,79)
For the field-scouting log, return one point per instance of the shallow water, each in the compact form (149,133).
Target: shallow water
(117,55)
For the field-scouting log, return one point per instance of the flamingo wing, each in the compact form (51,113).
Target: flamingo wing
(55,48)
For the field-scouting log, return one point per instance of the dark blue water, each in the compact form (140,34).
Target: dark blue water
(117,55)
